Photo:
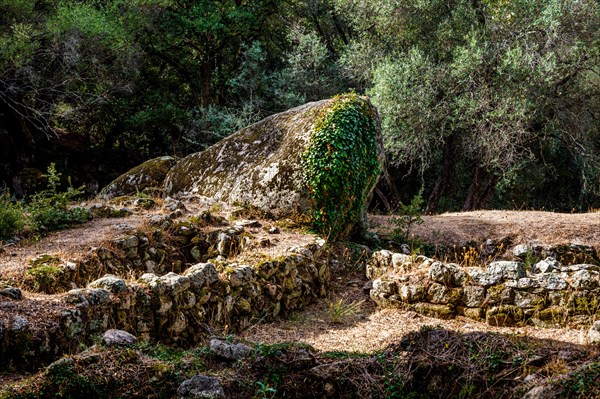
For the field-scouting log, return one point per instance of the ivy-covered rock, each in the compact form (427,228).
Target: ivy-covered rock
(149,174)
(321,159)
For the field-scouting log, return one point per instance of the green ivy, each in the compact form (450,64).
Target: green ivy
(341,164)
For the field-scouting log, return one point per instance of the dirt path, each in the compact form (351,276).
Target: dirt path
(68,245)
(369,329)
(522,226)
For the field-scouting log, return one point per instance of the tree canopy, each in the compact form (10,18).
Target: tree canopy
(482,102)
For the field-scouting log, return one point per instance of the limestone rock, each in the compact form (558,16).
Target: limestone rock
(114,337)
(594,334)
(149,174)
(109,282)
(545,266)
(201,387)
(261,165)
(507,270)
(229,351)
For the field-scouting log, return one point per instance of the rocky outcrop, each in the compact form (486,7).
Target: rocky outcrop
(504,293)
(265,165)
(149,174)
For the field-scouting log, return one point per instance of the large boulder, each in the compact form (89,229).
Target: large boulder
(149,174)
(322,159)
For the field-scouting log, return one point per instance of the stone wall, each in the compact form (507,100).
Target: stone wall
(174,308)
(505,293)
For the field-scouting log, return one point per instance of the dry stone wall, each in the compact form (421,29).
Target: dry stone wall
(504,293)
(175,308)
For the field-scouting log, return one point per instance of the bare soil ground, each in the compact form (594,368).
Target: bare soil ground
(369,329)
(527,227)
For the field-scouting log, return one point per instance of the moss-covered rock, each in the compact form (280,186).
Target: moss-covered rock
(149,174)
(297,161)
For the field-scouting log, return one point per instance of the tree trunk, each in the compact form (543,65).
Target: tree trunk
(481,189)
(205,77)
(444,178)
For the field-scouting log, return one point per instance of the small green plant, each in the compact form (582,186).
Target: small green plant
(409,215)
(341,309)
(43,274)
(530,259)
(49,209)
(264,391)
(12,216)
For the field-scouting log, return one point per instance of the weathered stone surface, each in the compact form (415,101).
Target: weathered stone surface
(109,282)
(441,273)
(201,387)
(552,282)
(473,296)
(411,293)
(149,174)
(229,351)
(202,273)
(259,165)
(115,337)
(11,292)
(507,270)
(546,266)
(584,279)
(91,296)
(434,310)
(594,334)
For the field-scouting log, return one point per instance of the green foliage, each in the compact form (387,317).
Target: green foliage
(341,164)
(49,209)
(264,391)
(409,215)
(12,217)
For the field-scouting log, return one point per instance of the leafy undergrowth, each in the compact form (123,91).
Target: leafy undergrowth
(430,363)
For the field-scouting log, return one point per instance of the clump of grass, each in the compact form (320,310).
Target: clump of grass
(341,309)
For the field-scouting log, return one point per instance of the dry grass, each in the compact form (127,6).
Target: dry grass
(522,226)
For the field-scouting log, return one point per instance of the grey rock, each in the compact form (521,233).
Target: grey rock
(201,387)
(130,242)
(440,273)
(171,283)
(578,267)
(411,293)
(114,337)
(484,279)
(224,243)
(552,282)
(88,296)
(539,392)
(261,166)
(241,275)
(149,174)
(19,324)
(229,351)
(507,270)
(400,260)
(585,279)
(109,282)
(594,333)
(521,250)
(202,273)
(473,296)
(11,292)
(546,266)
